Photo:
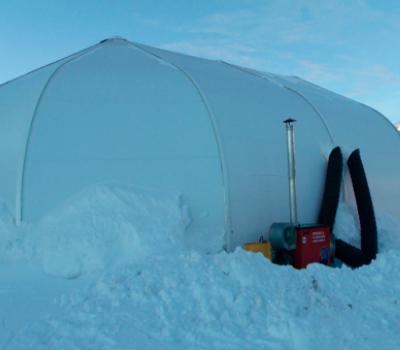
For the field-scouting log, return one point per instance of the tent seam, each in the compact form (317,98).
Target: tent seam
(21,168)
(245,70)
(47,65)
(314,108)
(350,100)
(291,90)
(218,141)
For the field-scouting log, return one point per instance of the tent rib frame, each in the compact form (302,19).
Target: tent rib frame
(291,90)
(22,160)
(218,140)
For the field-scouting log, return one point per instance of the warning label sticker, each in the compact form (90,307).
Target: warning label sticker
(318,236)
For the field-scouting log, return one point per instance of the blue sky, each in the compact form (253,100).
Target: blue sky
(350,47)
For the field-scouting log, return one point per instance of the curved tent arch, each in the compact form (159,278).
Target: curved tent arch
(21,167)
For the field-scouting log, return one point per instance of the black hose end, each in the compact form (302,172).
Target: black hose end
(354,158)
(335,152)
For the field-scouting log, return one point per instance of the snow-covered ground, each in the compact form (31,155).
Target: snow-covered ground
(110,269)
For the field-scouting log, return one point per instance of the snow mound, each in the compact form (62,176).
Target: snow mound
(102,225)
(130,282)
(228,301)
(12,238)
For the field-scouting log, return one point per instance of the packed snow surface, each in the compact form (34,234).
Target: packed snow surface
(110,269)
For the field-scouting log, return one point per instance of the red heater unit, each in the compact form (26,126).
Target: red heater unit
(313,245)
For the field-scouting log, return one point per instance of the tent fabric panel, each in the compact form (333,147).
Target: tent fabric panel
(345,116)
(110,127)
(146,125)
(47,182)
(382,170)
(353,126)
(250,112)
(18,100)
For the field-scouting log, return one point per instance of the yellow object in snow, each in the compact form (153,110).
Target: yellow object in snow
(259,247)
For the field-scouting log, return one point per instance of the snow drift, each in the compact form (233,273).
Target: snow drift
(129,280)
(100,226)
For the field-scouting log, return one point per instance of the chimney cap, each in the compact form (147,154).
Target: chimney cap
(287,121)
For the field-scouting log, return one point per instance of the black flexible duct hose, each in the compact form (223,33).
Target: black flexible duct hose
(333,181)
(369,234)
(369,243)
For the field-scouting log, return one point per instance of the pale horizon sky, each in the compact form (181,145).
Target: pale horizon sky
(349,47)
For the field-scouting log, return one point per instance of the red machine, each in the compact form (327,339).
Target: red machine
(313,245)
(302,244)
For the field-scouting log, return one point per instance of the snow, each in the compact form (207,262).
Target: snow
(111,269)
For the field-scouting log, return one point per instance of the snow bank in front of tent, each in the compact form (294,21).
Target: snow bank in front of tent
(227,301)
(103,225)
(132,283)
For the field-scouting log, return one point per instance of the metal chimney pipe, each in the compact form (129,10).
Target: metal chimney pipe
(292,171)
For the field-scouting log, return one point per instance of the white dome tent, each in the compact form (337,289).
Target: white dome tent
(121,111)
